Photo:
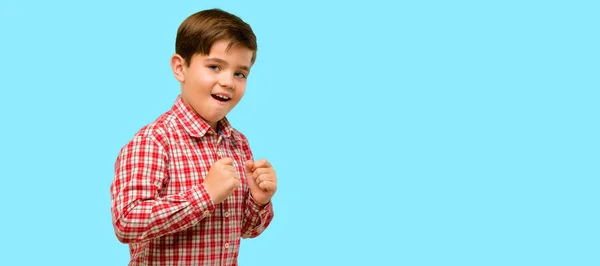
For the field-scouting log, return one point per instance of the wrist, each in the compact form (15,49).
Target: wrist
(260,203)
(210,193)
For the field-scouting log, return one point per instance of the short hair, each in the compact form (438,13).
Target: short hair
(198,32)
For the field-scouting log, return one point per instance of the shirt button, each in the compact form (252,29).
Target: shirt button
(206,213)
(226,214)
(226,245)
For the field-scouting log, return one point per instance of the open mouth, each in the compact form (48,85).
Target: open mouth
(221,98)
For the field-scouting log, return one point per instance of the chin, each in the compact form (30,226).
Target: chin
(214,118)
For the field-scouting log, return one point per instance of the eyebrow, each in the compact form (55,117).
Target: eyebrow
(223,62)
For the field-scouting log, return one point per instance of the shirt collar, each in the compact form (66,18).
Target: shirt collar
(194,125)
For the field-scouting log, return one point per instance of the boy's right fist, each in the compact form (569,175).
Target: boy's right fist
(221,180)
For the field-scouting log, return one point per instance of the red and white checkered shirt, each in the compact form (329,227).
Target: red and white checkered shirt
(160,206)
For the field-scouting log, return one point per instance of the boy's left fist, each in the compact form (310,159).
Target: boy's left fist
(262,180)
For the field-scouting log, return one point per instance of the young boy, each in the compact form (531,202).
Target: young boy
(186,187)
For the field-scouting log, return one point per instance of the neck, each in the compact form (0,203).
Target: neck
(214,126)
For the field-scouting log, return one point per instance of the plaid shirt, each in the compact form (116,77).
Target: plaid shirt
(160,206)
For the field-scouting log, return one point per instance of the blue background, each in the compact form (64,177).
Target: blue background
(414,133)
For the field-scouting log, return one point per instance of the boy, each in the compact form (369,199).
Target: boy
(186,187)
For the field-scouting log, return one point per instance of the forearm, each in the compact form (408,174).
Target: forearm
(145,219)
(256,218)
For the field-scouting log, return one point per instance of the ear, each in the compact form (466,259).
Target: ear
(178,67)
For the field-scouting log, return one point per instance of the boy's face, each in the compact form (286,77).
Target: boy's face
(213,84)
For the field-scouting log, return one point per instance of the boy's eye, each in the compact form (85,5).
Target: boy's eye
(240,75)
(214,67)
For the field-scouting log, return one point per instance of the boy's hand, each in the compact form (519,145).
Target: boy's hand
(221,180)
(262,180)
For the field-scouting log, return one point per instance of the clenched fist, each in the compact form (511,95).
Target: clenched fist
(221,180)
(262,180)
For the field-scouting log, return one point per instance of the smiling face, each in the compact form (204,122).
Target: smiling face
(213,84)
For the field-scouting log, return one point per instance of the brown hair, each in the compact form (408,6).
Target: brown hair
(198,32)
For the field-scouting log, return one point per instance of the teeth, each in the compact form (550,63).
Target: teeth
(222,97)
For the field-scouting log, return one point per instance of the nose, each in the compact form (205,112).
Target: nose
(226,81)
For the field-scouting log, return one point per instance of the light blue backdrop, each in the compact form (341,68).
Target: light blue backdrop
(415,133)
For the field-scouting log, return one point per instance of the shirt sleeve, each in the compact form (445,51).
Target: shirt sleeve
(256,217)
(139,213)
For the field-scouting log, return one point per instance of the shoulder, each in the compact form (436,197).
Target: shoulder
(239,136)
(242,142)
(157,134)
